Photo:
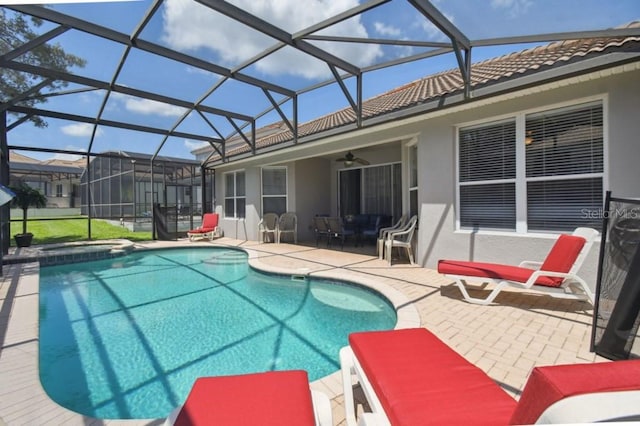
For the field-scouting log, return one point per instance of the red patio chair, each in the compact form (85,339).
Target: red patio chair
(209,228)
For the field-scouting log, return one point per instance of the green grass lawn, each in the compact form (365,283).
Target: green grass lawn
(67,230)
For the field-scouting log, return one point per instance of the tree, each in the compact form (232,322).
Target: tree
(17,29)
(26,197)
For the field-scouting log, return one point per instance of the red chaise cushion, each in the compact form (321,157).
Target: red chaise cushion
(547,385)
(201,230)
(490,270)
(271,398)
(210,220)
(561,258)
(421,381)
(563,255)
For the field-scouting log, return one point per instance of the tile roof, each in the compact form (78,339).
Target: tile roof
(444,83)
(15,157)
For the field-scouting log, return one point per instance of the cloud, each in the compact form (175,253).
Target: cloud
(191,146)
(145,106)
(234,42)
(80,130)
(149,107)
(433,32)
(513,8)
(386,30)
(404,51)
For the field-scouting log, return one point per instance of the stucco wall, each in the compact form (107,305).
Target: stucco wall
(624,133)
(437,235)
(312,193)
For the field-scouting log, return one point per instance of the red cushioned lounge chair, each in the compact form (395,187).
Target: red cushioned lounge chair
(209,228)
(556,276)
(272,398)
(410,377)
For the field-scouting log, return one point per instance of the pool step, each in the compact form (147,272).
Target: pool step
(228,258)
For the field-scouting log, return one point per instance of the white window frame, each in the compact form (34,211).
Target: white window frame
(286,187)
(235,197)
(412,150)
(494,121)
(521,179)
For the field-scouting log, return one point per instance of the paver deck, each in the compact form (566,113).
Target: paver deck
(506,339)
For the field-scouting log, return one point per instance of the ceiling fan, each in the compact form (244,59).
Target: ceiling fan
(349,159)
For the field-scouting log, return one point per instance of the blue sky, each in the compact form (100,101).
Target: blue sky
(197,31)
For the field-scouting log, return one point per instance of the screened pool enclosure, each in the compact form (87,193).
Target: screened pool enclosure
(123,187)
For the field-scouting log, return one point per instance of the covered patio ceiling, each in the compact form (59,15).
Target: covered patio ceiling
(237,94)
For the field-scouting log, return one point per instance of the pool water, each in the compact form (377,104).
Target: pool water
(127,337)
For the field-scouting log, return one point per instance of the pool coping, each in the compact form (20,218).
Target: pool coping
(23,320)
(64,253)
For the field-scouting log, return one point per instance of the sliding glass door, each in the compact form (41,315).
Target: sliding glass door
(371,190)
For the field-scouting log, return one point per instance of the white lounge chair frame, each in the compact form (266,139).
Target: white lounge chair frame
(349,367)
(573,287)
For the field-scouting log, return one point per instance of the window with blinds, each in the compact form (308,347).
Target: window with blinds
(562,180)
(564,167)
(487,172)
(274,190)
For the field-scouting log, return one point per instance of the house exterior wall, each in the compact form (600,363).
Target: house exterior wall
(624,133)
(312,179)
(67,200)
(438,237)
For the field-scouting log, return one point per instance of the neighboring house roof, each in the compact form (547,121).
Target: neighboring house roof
(22,163)
(80,162)
(14,157)
(438,85)
(41,167)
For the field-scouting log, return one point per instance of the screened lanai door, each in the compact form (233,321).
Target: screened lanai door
(371,190)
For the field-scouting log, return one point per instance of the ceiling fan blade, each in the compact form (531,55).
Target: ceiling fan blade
(350,158)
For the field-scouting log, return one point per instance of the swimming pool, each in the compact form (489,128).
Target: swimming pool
(126,337)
